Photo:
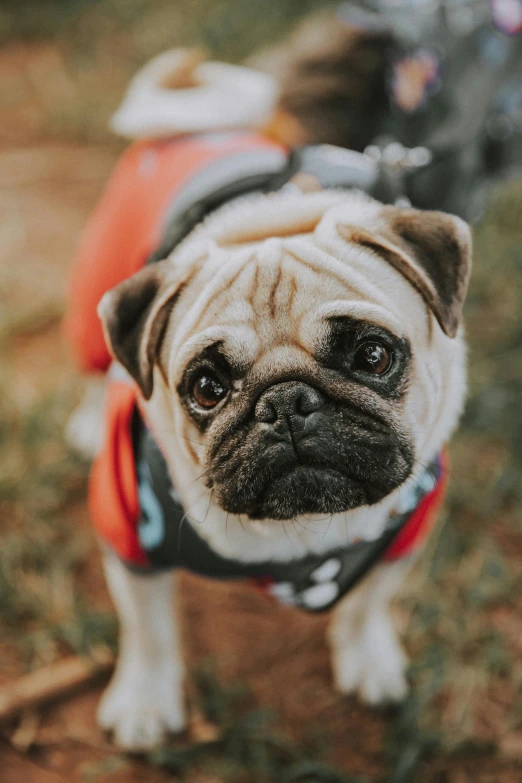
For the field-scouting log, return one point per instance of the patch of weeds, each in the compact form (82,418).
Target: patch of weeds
(29,322)
(225,27)
(457,653)
(408,743)
(490,436)
(39,592)
(41,480)
(91,772)
(247,748)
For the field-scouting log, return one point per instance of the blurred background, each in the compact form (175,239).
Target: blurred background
(260,686)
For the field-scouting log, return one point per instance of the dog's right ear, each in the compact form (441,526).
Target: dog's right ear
(134,316)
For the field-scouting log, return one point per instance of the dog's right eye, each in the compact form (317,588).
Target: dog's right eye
(208,391)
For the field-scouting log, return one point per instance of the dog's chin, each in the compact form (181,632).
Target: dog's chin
(311,490)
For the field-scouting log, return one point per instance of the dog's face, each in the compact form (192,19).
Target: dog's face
(298,403)
(299,353)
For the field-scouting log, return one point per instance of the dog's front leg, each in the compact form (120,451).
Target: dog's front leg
(366,653)
(145,697)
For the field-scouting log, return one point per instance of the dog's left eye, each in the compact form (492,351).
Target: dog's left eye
(372,358)
(208,390)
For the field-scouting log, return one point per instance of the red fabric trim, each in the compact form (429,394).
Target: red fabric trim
(113,489)
(417,529)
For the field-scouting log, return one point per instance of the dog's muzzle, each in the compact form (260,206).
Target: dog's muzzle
(301,452)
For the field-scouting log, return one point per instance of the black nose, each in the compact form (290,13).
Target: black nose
(291,398)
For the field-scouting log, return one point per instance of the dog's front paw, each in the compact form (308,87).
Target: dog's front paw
(384,680)
(372,665)
(141,705)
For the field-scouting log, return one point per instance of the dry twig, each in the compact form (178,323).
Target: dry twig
(52,682)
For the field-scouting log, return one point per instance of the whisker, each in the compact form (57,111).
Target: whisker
(297,522)
(285,531)
(428,471)
(323,519)
(180,529)
(202,475)
(192,441)
(188,515)
(208,507)
(328,528)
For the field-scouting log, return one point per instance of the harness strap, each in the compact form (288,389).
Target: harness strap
(267,171)
(313,583)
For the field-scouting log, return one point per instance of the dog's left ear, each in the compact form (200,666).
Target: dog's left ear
(134,316)
(431,249)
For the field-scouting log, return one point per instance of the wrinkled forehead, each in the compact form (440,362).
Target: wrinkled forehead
(281,298)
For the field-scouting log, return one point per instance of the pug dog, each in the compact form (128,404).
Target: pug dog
(299,356)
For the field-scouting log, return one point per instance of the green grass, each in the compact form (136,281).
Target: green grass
(42,609)
(248,749)
(229,28)
(458,655)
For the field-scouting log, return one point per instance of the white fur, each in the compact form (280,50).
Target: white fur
(367,657)
(145,698)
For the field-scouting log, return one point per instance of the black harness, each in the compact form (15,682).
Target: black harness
(169,538)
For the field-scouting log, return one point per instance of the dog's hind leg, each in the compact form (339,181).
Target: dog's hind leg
(145,697)
(367,657)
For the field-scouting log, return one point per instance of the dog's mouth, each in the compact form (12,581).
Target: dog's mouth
(303,490)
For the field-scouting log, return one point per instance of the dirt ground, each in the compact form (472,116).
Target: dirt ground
(462,612)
